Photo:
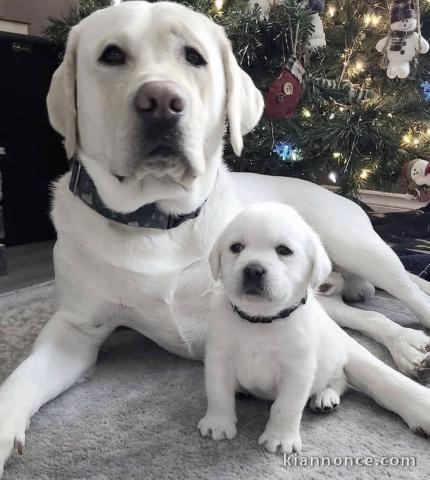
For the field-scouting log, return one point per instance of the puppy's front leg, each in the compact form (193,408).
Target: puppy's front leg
(220,418)
(283,428)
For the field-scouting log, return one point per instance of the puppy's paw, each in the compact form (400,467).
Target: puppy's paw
(218,427)
(324,401)
(410,350)
(287,441)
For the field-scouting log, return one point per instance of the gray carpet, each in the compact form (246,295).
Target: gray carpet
(136,417)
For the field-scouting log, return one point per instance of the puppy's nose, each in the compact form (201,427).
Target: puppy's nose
(161,100)
(254,271)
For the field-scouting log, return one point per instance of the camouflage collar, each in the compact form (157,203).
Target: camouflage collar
(149,216)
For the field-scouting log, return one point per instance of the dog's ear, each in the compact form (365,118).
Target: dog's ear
(215,260)
(321,264)
(244,101)
(61,99)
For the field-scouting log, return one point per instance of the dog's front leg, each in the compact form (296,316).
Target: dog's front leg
(283,428)
(64,350)
(220,419)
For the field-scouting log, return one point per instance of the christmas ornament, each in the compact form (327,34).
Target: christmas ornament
(417,174)
(426,90)
(317,38)
(286,152)
(355,92)
(286,91)
(404,42)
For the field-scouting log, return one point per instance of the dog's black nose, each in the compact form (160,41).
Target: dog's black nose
(254,271)
(160,101)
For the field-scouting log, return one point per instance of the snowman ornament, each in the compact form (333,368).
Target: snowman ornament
(417,174)
(403,42)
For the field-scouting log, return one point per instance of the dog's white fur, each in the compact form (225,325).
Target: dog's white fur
(158,282)
(289,360)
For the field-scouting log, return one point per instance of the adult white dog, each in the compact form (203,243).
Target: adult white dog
(141,99)
(268,334)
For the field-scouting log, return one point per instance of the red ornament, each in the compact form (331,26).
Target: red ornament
(285,93)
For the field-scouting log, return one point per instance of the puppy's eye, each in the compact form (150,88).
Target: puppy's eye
(236,247)
(112,55)
(283,250)
(193,57)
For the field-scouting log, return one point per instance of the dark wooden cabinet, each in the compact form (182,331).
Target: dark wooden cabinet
(34,155)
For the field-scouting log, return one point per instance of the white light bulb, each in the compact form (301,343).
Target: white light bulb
(332,177)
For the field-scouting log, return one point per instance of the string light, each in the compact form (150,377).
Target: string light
(371,19)
(331,116)
(306,113)
(332,176)
(359,66)
(406,139)
(336,155)
(364,173)
(219,4)
(331,10)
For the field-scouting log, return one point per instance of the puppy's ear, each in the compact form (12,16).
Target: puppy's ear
(321,264)
(215,260)
(244,101)
(61,99)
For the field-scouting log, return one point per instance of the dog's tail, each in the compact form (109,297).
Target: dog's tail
(423,284)
(389,388)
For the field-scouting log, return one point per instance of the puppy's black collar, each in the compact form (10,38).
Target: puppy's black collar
(149,216)
(281,315)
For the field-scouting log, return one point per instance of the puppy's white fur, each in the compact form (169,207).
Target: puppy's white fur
(289,360)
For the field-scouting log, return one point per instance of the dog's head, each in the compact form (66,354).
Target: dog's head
(267,257)
(145,88)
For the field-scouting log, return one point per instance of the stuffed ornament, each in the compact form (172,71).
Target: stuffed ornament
(403,42)
(417,174)
(317,38)
(285,93)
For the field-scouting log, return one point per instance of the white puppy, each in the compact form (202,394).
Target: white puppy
(270,336)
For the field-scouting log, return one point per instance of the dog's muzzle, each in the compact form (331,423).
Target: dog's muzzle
(160,106)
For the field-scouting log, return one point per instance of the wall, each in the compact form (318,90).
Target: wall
(33,12)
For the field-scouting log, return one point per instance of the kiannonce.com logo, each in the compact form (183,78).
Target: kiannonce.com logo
(301,461)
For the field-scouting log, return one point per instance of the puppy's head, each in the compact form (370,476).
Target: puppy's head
(145,88)
(267,257)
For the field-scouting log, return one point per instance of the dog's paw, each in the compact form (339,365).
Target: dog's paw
(410,350)
(324,401)
(418,418)
(218,427)
(334,284)
(287,441)
(12,433)
(357,289)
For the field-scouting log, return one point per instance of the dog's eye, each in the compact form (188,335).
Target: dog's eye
(283,250)
(112,55)
(236,247)
(193,56)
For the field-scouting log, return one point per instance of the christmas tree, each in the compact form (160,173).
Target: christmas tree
(332,114)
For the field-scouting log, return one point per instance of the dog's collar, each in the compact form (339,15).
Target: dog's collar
(281,315)
(149,216)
